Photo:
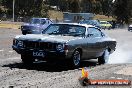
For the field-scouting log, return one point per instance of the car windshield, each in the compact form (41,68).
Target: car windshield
(43,21)
(65,29)
(35,21)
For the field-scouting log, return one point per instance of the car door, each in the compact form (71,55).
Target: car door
(95,45)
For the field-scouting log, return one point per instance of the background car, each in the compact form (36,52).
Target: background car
(105,25)
(130,27)
(35,26)
(65,41)
(91,22)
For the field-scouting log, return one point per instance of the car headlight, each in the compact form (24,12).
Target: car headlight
(21,27)
(20,43)
(59,47)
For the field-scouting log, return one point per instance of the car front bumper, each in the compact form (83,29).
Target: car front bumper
(30,32)
(48,55)
(130,29)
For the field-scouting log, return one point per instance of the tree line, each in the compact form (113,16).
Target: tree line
(39,8)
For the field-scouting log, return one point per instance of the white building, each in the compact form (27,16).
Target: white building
(76,17)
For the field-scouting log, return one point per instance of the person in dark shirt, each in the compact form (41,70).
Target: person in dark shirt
(113,24)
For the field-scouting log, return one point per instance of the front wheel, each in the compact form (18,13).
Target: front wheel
(104,58)
(109,28)
(24,33)
(75,60)
(27,59)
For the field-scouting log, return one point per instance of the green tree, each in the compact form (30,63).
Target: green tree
(75,6)
(26,7)
(86,6)
(98,7)
(44,10)
(121,11)
(7,4)
(107,6)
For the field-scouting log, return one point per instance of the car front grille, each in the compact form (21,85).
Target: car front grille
(130,28)
(25,27)
(39,45)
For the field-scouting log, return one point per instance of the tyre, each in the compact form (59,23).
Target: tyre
(26,59)
(24,33)
(104,27)
(129,30)
(75,60)
(104,58)
(109,28)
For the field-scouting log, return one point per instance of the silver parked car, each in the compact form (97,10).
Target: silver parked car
(65,41)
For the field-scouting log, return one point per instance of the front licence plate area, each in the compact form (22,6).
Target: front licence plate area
(38,54)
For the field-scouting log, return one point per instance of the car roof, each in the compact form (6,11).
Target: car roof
(78,24)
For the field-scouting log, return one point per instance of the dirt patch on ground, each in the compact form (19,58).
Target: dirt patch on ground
(125,71)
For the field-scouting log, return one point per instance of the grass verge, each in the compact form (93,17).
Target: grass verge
(103,17)
(10,26)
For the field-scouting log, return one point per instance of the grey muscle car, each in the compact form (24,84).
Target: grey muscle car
(35,26)
(65,41)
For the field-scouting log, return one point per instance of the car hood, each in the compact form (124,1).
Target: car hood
(47,38)
(32,25)
(130,25)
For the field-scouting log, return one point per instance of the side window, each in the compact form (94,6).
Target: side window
(94,32)
(77,30)
(52,29)
(43,21)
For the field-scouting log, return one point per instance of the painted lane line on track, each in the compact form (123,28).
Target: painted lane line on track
(125,71)
(116,78)
(112,77)
(10,51)
(12,58)
(119,78)
(1,50)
